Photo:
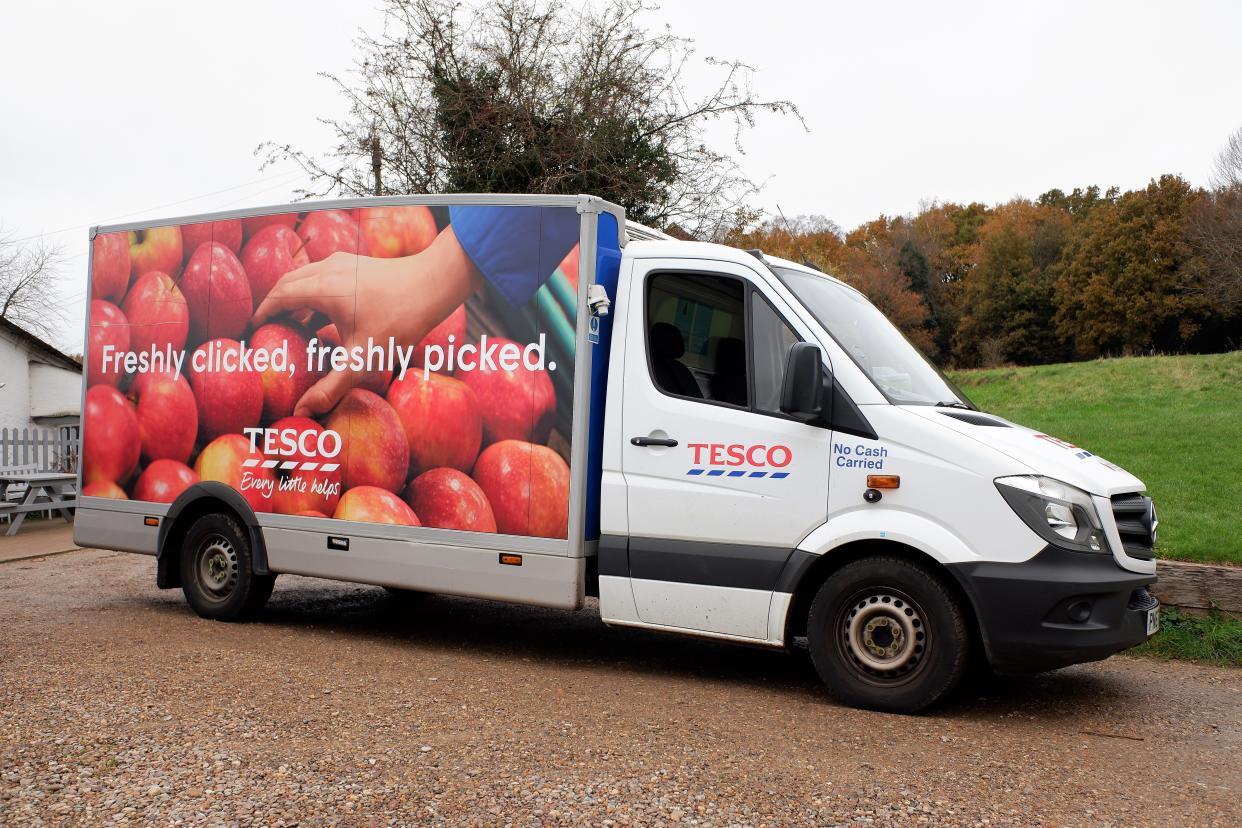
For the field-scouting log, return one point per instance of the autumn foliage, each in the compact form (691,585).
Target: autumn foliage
(1063,277)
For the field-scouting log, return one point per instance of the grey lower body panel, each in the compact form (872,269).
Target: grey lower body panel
(544,580)
(119,529)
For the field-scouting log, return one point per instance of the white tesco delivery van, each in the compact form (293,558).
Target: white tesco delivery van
(520,398)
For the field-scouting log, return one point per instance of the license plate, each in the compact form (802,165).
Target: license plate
(1153,621)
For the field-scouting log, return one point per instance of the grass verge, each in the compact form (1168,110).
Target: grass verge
(1209,639)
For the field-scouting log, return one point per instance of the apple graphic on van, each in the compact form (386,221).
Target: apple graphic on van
(315,489)
(157,312)
(371,504)
(104,488)
(217,292)
(325,232)
(229,396)
(226,459)
(449,499)
(282,390)
(450,331)
(271,253)
(374,449)
(163,481)
(227,232)
(527,486)
(516,404)
(156,248)
(167,416)
(251,226)
(109,327)
(440,417)
(389,232)
(109,436)
(110,266)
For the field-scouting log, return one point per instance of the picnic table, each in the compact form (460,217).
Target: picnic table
(44,491)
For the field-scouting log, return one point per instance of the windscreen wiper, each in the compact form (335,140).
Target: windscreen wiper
(953,404)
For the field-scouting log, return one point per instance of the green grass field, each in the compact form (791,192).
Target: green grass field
(1175,422)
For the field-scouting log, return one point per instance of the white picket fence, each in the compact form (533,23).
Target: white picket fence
(40,449)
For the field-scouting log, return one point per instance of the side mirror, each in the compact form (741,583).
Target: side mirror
(802,394)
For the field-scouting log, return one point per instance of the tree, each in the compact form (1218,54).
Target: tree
(28,275)
(1007,298)
(536,96)
(1215,231)
(1127,283)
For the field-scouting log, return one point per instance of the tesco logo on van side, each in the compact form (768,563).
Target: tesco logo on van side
(723,460)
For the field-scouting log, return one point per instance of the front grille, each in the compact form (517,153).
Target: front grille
(1136,523)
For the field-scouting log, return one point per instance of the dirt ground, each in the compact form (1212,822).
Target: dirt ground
(344,706)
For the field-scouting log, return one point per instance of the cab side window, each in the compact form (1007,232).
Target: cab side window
(771,339)
(696,337)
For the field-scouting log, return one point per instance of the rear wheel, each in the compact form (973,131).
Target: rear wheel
(217,575)
(886,634)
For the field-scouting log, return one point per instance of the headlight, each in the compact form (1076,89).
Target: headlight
(1057,512)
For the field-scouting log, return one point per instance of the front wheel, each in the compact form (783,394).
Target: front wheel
(886,634)
(217,576)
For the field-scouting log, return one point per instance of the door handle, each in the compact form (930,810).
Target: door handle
(666,442)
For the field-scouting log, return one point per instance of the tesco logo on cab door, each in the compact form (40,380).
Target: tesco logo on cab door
(757,460)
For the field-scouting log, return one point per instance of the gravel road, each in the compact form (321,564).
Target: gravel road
(347,707)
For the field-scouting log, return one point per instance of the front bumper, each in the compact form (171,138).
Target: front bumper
(1060,607)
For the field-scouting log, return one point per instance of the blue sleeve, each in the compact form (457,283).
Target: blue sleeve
(500,242)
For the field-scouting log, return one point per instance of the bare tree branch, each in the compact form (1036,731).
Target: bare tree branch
(28,276)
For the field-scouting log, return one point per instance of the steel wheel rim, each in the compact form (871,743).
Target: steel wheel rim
(883,634)
(217,567)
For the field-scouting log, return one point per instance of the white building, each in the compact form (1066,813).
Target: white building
(40,386)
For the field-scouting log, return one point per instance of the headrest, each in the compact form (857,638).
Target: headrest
(666,340)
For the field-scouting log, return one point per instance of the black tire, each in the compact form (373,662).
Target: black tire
(217,575)
(406,596)
(886,634)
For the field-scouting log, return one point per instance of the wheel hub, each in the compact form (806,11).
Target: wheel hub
(884,634)
(217,566)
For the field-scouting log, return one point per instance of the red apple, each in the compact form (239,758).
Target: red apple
(251,226)
(440,418)
(157,312)
(281,389)
(375,451)
(329,231)
(108,327)
(156,248)
(371,504)
(163,481)
(516,404)
(528,487)
(448,499)
(272,253)
(389,232)
(569,266)
(110,266)
(311,513)
(450,331)
(312,489)
(229,459)
(217,292)
(229,398)
(227,233)
(109,436)
(104,488)
(167,416)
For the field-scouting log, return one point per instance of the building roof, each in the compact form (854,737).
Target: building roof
(49,352)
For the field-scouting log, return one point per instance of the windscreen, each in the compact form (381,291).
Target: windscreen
(895,366)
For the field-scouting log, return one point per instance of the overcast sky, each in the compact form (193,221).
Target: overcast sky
(127,110)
